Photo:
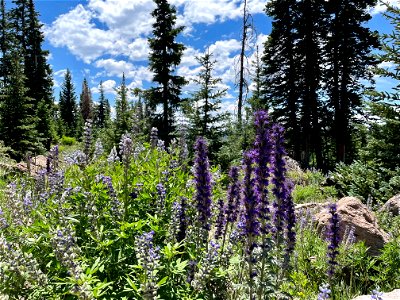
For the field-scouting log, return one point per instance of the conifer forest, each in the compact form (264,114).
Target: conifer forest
(161,194)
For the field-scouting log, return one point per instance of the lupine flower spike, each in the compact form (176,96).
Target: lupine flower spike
(333,239)
(202,178)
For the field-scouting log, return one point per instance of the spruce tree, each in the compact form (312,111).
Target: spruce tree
(206,118)
(103,109)
(122,111)
(17,117)
(280,72)
(67,105)
(38,75)
(383,138)
(164,57)
(86,102)
(311,27)
(6,41)
(348,57)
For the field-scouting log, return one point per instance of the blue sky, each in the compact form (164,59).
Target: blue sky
(101,39)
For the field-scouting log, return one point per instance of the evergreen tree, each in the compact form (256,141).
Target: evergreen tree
(348,56)
(86,103)
(6,42)
(122,111)
(311,27)
(17,128)
(280,72)
(164,57)
(206,119)
(103,109)
(383,137)
(38,78)
(67,105)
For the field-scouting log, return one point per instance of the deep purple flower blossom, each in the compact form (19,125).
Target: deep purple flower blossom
(250,201)
(333,239)
(202,179)
(232,210)
(220,223)
(280,190)
(263,147)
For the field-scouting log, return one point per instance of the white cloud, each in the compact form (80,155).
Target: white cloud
(381,8)
(116,27)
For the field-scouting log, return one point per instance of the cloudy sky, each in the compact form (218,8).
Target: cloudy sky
(101,39)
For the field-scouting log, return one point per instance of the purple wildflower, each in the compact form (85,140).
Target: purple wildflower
(220,223)
(162,193)
(98,149)
(126,149)
(113,156)
(149,259)
(263,147)
(154,137)
(232,210)
(250,200)
(3,221)
(333,238)
(52,159)
(324,292)
(115,203)
(87,133)
(202,178)
(376,294)
(280,190)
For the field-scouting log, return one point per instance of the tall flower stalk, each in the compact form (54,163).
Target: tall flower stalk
(251,224)
(233,204)
(333,239)
(202,179)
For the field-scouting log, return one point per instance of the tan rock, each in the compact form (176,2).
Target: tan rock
(394,295)
(353,213)
(392,206)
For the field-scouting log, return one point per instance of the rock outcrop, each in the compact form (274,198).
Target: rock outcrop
(394,295)
(354,214)
(392,206)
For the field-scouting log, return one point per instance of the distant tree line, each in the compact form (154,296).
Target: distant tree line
(311,75)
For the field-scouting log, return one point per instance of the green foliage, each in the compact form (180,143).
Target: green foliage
(67,140)
(164,58)
(67,105)
(367,181)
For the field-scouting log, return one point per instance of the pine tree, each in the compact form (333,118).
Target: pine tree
(206,118)
(348,55)
(67,105)
(165,56)
(103,109)
(280,72)
(311,27)
(383,136)
(122,111)
(38,75)
(17,118)
(86,103)
(5,45)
